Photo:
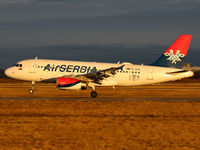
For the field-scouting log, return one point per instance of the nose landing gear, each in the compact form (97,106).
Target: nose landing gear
(31,91)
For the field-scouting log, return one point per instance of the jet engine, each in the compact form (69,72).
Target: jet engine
(65,83)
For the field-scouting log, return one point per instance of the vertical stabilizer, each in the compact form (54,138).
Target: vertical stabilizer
(175,54)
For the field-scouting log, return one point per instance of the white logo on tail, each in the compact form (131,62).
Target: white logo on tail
(174,58)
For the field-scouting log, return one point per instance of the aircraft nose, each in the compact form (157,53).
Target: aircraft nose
(8,72)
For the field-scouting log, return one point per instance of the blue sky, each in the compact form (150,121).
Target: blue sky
(96,30)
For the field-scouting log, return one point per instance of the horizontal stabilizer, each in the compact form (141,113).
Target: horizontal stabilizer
(177,72)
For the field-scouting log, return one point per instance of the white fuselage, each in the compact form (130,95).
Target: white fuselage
(44,69)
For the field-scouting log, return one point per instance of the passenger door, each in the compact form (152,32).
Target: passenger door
(33,67)
(149,74)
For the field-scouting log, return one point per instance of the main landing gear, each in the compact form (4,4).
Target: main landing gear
(31,91)
(93,94)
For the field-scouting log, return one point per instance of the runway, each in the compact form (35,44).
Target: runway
(162,116)
(82,99)
(180,89)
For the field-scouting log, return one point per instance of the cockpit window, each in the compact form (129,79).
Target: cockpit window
(18,65)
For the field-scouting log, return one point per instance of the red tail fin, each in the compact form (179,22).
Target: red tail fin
(175,54)
(181,44)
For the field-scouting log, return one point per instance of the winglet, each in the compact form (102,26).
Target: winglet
(121,67)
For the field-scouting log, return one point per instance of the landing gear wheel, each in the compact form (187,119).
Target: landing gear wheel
(93,94)
(31,91)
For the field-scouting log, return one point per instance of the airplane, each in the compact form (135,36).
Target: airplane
(78,75)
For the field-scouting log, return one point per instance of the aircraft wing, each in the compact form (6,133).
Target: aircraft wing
(98,76)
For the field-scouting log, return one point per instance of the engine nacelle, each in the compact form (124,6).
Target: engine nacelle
(65,83)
